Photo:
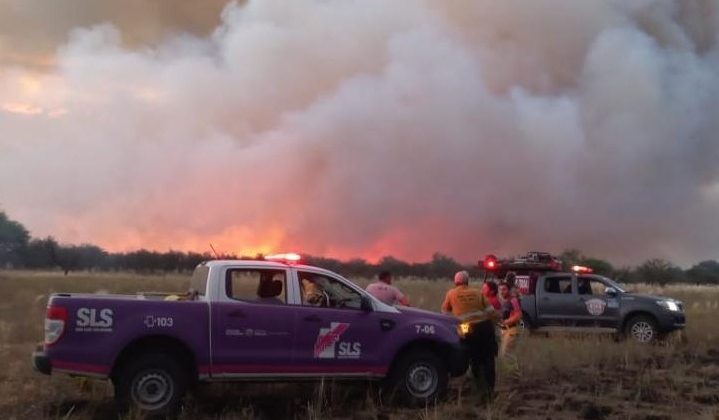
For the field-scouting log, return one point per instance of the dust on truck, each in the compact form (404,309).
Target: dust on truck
(575,299)
(249,320)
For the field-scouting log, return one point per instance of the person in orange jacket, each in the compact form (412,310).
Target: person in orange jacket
(477,316)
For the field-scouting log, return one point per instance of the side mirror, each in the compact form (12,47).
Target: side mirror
(366,304)
(610,291)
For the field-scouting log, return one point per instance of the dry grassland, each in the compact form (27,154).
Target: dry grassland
(555,377)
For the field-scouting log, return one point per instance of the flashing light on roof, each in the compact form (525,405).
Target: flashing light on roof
(287,258)
(490,262)
(581,269)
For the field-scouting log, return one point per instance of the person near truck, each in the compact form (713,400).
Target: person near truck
(383,290)
(471,307)
(490,291)
(510,316)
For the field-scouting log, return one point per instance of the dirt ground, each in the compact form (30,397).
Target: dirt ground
(552,377)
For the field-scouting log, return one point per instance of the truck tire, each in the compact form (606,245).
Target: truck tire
(642,329)
(418,378)
(153,384)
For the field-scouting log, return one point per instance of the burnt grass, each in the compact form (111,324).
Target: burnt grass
(551,377)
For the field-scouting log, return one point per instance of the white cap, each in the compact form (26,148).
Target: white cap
(461,277)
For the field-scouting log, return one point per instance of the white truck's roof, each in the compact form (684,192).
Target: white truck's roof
(259,263)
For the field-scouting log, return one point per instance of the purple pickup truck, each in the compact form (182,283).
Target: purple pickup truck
(248,320)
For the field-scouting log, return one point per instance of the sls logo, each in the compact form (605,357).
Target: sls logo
(327,345)
(93,320)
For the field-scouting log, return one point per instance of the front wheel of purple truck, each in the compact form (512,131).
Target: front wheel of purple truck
(418,378)
(153,384)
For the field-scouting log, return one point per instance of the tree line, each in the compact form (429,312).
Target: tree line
(19,250)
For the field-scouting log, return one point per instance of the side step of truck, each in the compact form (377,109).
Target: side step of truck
(576,330)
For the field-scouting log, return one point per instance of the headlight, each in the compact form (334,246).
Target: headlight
(669,305)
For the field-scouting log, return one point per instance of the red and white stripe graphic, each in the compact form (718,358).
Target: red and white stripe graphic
(326,339)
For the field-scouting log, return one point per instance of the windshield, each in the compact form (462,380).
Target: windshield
(613,284)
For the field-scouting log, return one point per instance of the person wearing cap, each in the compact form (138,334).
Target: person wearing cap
(511,314)
(383,290)
(477,316)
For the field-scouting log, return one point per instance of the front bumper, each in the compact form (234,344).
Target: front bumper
(670,321)
(41,362)
(458,360)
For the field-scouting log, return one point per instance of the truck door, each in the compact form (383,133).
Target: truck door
(252,325)
(594,308)
(556,301)
(335,336)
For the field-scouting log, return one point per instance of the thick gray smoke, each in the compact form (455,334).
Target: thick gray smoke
(366,128)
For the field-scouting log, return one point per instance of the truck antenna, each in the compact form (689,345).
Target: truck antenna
(213,250)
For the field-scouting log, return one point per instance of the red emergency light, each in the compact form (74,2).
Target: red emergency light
(581,269)
(287,258)
(490,262)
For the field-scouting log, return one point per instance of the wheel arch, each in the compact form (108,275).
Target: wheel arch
(441,349)
(633,314)
(158,344)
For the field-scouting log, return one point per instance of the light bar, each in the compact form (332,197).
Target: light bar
(288,258)
(581,269)
(490,262)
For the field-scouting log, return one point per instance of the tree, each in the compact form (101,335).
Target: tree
(83,257)
(706,272)
(659,271)
(13,237)
(40,253)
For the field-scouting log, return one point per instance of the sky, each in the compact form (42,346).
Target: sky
(365,128)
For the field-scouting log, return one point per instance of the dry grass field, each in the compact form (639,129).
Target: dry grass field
(554,377)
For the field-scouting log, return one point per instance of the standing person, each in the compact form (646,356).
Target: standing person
(471,307)
(383,290)
(511,280)
(509,320)
(490,290)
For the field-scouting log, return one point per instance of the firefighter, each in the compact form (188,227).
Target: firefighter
(383,290)
(490,291)
(471,307)
(510,316)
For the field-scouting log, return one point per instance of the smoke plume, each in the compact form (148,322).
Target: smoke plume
(368,128)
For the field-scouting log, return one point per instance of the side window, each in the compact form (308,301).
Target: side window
(326,292)
(560,285)
(256,286)
(591,287)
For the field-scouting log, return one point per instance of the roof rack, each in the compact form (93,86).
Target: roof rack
(531,261)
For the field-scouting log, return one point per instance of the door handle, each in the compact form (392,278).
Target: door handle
(386,324)
(237,313)
(312,318)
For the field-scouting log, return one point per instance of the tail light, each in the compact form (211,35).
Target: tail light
(55,320)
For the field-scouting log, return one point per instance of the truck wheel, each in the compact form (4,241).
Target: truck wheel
(153,384)
(418,378)
(642,329)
